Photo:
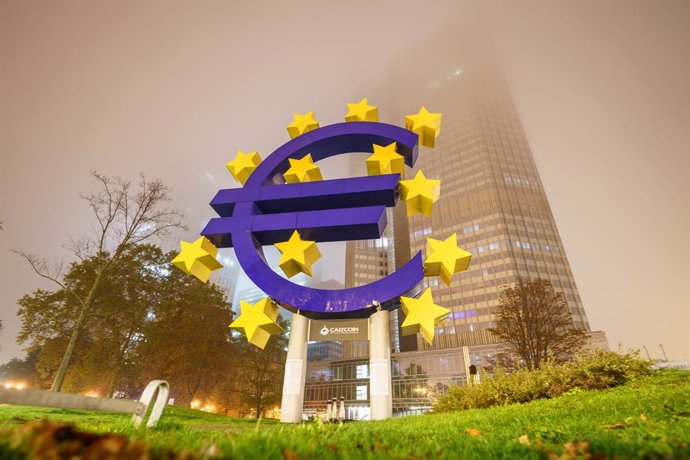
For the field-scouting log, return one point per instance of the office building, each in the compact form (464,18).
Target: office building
(491,196)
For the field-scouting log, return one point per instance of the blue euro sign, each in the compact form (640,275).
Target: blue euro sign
(266,211)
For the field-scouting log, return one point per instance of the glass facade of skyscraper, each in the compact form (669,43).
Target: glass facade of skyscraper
(492,197)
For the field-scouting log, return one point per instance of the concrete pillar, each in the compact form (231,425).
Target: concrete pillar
(291,407)
(380,388)
(341,409)
(466,360)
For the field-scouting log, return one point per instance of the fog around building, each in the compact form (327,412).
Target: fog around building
(173,89)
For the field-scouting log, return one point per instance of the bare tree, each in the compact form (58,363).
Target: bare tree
(536,323)
(124,217)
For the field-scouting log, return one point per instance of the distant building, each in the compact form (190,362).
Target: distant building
(251,294)
(672,365)
(324,351)
(491,196)
(596,340)
(225,278)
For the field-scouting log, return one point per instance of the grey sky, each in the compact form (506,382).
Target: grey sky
(173,89)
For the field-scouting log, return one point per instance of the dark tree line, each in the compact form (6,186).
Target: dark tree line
(122,315)
(148,321)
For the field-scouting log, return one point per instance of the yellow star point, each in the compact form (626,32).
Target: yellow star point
(422,315)
(426,124)
(197,258)
(385,160)
(302,124)
(243,165)
(258,321)
(297,255)
(362,111)
(445,258)
(419,194)
(302,170)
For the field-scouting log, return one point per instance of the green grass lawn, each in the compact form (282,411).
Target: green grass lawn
(647,418)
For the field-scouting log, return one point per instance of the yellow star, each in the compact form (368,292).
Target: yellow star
(385,160)
(445,258)
(298,255)
(426,124)
(422,315)
(243,165)
(302,124)
(302,170)
(197,258)
(258,321)
(419,194)
(362,111)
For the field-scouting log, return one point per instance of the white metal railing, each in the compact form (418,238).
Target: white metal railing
(139,409)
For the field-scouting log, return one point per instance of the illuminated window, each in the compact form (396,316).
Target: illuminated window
(362,393)
(471,228)
(362,372)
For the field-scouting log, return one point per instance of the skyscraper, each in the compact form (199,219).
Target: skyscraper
(491,196)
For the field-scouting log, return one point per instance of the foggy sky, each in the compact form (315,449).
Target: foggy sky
(173,89)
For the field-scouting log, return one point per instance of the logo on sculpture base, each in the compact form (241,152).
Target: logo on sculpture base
(345,329)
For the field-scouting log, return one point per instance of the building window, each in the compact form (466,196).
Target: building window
(362,371)
(424,231)
(362,393)
(471,228)
(523,244)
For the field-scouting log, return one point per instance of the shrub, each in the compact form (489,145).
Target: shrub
(608,369)
(593,371)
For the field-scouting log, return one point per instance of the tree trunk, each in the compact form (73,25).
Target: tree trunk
(118,364)
(67,357)
(258,410)
(113,379)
